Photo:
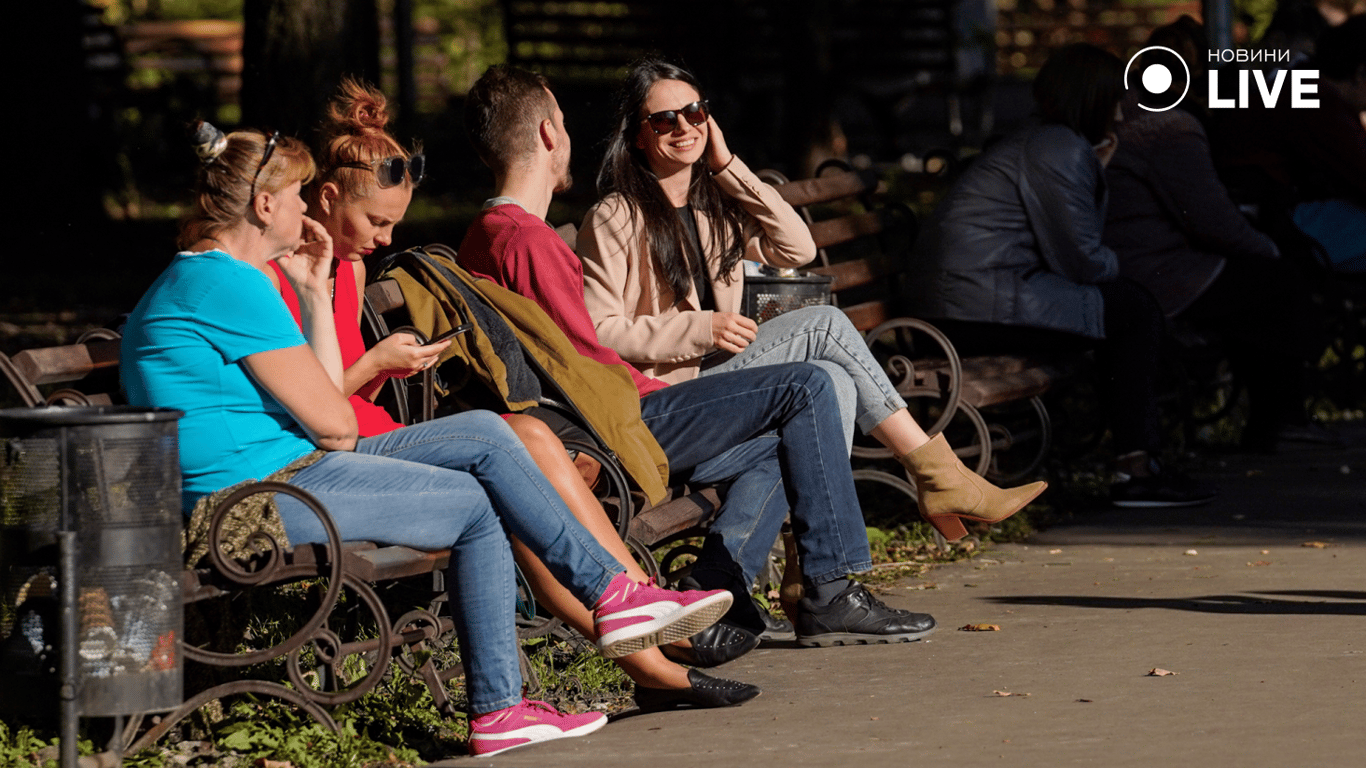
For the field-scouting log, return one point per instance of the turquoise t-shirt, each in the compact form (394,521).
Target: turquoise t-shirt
(183,348)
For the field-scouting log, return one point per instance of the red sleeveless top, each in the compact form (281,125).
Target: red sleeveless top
(372,419)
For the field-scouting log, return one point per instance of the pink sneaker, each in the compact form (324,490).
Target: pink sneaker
(631,616)
(527,723)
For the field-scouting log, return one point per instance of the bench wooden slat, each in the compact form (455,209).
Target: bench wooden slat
(868,315)
(385,563)
(51,365)
(1007,387)
(998,365)
(857,273)
(832,186)
(660,522)
(384,296)
(845,228)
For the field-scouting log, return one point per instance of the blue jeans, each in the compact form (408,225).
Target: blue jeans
(776,432)
(456,482)
(824,336)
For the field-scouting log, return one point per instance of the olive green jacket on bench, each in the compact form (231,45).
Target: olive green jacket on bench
(604,394)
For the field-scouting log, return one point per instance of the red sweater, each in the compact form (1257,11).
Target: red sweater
(522,253)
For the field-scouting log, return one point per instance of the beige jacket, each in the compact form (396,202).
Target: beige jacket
(636,314)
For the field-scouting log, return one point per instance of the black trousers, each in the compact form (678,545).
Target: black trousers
(1263,311)
(1128,357)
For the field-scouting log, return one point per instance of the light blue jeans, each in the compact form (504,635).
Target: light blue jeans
(456,482)
(824,336)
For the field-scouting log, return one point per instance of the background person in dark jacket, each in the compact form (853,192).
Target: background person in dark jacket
(1177,232)
(1013,262)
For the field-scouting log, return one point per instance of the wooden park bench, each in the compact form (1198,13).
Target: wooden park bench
(334,653)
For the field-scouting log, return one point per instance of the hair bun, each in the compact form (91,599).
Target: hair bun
(208,141)
(359,108)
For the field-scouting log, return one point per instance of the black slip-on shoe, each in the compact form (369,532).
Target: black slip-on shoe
(855,617)
(713,646)
(704,691)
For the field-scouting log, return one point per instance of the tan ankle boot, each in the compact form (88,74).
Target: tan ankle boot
(949,491)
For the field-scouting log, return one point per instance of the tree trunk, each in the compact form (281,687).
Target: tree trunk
(295,54)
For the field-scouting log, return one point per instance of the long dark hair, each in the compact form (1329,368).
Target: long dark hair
(626,170)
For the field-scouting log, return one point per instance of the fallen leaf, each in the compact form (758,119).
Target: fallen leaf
(1009,693)
(1259,562)
(1266,551)
(1316,544)
(980,628)
(1160,672)
(872,718)
(1055,551)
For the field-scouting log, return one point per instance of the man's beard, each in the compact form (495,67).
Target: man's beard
(566,181)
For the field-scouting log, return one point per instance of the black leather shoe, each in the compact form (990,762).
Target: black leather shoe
(776,630)
(855,617)
(713,646)
(704,691)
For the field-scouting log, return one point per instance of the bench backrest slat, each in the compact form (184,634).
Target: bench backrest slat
(72,362)
(858,273)
(845,228)
(829,187)
(384,296)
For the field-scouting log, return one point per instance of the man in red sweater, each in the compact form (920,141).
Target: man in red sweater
(773,433)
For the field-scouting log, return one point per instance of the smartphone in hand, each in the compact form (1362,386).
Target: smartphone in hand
(452,333)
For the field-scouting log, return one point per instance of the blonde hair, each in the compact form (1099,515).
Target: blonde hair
(229,163)
(354,134)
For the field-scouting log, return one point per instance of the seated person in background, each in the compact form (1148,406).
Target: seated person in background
(1308,164)
(712,429)
(1012,262)
(1177,233)
(364,184)
(663,258)
(212,338)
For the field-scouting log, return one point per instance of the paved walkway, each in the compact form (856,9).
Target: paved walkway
(1266,638)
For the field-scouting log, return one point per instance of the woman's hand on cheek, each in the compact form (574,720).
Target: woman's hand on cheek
(718,154)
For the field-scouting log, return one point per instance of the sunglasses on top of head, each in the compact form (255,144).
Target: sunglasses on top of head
(663,122)
(389,172)
(271,141)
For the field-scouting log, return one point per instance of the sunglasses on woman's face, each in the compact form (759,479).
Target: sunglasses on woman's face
(390,171)
(663,122)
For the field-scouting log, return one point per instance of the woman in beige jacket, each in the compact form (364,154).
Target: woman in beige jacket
(663,257)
